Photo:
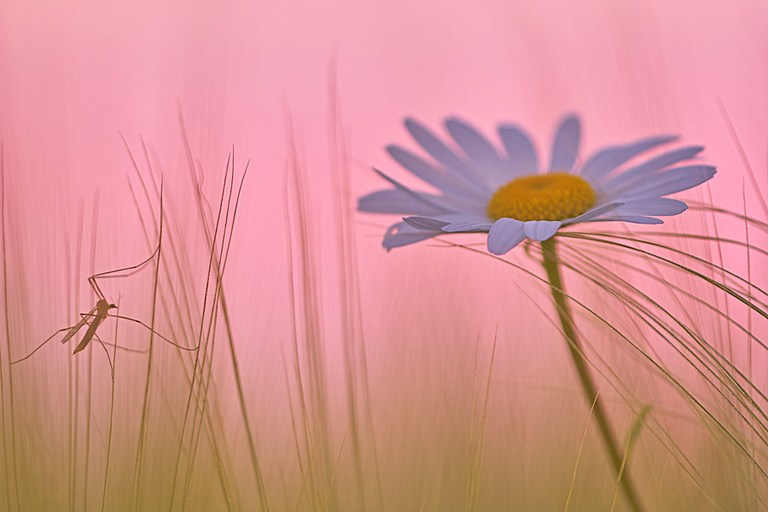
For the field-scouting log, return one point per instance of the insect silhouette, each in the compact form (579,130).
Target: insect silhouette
(100,312)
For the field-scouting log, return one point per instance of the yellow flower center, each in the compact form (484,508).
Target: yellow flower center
(554,196)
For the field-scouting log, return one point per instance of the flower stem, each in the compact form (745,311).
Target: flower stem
(552,267)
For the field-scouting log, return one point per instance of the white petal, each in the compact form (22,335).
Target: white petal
(468,226)
(636,219)
(425,223)
(566,145)
(541,229)
(594,213)
(669,182)
(440,179)
(465,221)
(608,159)
(479,150)
(451,222)
(625,180)
(443,154)
(399,202)
(504,235)
(447,204)
(521,155)
(401,234)
(661,206)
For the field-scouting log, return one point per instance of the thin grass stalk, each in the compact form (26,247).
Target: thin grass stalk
(110,430)
(9,453)
(88,424)
(659,327)
(743,157)
(471,437)
(206,368)
(473,495)
(587,258)
(578,457)
(725,302)
(74,377)
(318,412)
(552,268)
(264,503)
(307,472)
(734,292)
(697,405)
(136,493)
(200,403)
(634,432)
(749,311)
(349,294)
(196,367)
(206,342)
(89,395)
(694,205)
(177,309)
(702,351)
(217,266)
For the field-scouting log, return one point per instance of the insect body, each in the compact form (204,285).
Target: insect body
(100,311)
(94,318)
(97,315)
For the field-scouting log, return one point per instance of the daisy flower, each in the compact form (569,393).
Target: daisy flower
(507,192)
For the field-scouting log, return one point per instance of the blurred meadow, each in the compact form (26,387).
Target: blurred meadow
(313,370)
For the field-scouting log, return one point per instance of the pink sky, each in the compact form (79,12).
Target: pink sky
(76,75)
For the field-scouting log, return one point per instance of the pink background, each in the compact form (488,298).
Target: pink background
(73,77)
(76,76)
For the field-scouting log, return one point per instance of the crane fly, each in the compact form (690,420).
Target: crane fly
(92,319)
(98,314)
(101,311)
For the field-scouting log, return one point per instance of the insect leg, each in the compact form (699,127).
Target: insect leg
(127,271)
(95,287)
(129,319)
(42,344)
(109,359)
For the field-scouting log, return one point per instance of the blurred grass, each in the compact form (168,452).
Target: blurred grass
(392,399)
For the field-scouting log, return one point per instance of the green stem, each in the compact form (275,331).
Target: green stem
(552,267)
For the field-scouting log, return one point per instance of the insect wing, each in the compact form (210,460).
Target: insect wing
(79,325)
(88,334)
